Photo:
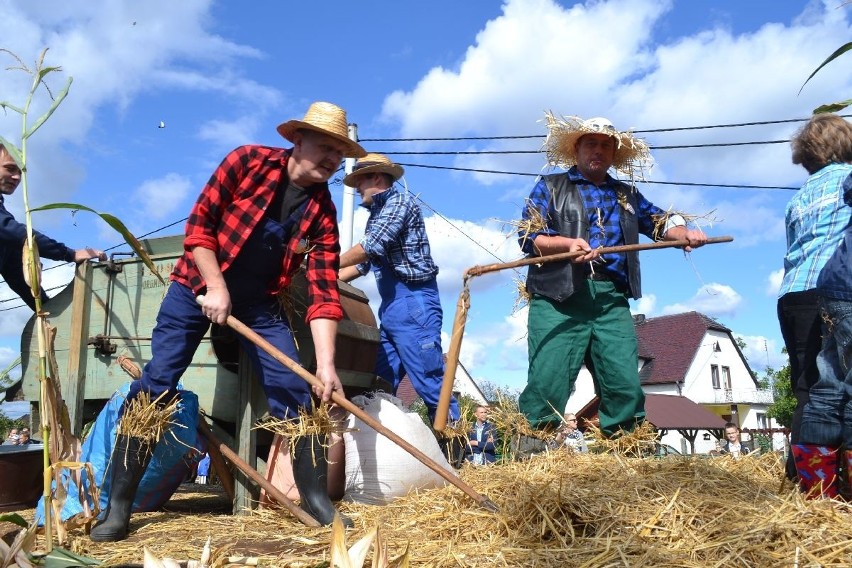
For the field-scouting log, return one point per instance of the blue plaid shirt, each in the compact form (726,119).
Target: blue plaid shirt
(395,238)
(604,215)
(816,217)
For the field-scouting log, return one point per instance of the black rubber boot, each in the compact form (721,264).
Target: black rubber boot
(130,457)
(310,471)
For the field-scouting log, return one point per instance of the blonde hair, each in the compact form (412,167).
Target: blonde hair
(824,139)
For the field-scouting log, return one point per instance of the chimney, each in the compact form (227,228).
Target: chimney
(638,319)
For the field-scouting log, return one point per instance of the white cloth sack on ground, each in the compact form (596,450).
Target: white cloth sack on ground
(378,470)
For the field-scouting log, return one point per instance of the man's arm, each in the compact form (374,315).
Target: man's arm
(348,274)
(555,244)
(217,302)
(324,332)
(355,255)
(696,237)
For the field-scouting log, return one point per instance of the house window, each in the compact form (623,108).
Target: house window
(714,375)
(726,377)
(762,422)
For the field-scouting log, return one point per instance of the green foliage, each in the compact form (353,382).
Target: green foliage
(7,424)
(782,388)
(6,380)
(831,107)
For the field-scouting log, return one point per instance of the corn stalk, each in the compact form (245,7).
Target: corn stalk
(32,265)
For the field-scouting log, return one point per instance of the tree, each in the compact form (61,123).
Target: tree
(782,388)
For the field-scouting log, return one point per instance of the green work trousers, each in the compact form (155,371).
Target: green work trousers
(594,326)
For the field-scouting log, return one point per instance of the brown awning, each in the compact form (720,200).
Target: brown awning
(668,412)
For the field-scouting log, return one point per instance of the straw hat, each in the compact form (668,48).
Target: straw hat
(374,164)
(328,119)
(563,134)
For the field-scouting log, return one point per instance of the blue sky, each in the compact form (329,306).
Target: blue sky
(220,74)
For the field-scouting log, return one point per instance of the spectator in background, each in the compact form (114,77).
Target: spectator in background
(733,444)
(25,437)
(815,219)
(481,449)
(14,437)
(569,436)
(203,470)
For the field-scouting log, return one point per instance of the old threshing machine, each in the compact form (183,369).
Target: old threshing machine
(110,310)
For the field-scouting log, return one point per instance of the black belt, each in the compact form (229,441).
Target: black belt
(599,276)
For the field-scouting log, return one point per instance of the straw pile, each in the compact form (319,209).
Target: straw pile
(556,509)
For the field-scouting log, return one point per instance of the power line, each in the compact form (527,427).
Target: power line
(527,174)
(672,147)
(646,131)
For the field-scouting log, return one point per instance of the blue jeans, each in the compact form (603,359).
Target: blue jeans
(827,416)
(180,328)
(410,332)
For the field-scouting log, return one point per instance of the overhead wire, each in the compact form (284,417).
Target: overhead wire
(506,152)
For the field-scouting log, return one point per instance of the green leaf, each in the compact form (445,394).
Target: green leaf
(59,98)
(13,151)
(833,107)
(14,518)
(116,224)
(840,51)
(5,382)
(45,70)
(61,558)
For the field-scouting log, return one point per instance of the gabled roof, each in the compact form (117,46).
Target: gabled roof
(669,344)
(668,412)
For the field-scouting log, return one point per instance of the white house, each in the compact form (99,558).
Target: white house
(693,356)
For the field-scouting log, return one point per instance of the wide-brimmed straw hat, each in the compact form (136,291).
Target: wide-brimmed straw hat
(563,133)
(374,164)
(328,119)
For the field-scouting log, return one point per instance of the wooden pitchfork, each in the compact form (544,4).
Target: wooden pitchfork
(341,401)
(463,305)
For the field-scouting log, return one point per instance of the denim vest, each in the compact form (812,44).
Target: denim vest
(569,218)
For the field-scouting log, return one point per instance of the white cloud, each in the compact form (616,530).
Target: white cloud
(711,299)
(644,305)
(159,199)
(773,282)
(116,53)
(529,59)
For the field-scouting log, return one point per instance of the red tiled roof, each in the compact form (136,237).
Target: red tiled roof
(670,344)
(669,412)
(405,392)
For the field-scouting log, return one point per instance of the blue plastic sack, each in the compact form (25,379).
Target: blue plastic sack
(170,465)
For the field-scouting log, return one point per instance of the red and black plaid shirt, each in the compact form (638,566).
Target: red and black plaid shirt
(234,201)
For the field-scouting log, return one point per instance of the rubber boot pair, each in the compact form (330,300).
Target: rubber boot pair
(130,457)
(310,471)
(818,470)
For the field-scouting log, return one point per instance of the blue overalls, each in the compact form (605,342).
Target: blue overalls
(181,325)
(410,334)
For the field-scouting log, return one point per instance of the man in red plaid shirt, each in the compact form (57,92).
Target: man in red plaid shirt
(262,213)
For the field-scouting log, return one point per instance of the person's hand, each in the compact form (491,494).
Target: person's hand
(580,245)
(217,304)
(696,238)
(330,383)
(473,443)
(88,253)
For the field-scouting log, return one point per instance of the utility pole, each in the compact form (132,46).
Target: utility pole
(348,213)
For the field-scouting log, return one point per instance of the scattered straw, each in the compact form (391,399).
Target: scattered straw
(146,419)
(560,508)
(324,419)
(663,218)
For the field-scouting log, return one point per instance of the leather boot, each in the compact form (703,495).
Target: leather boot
(130,457)
(310,471)
(817,468)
